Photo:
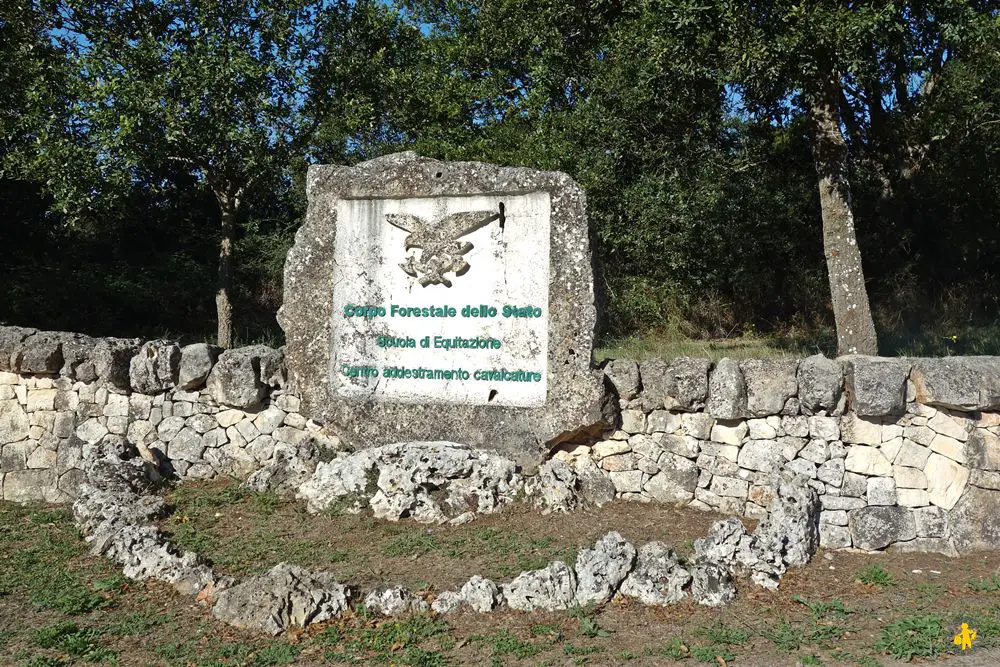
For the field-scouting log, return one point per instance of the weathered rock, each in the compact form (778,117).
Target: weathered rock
(793,521)
(154,368)
(447,602)
(727,391)
(395,601)
(946,480)
(196,363)
(289,468)
(624,376)
(959,383)
(973,520)
(658,578)
(482,594)
(867,461)
(271,363)
(721,544)
(875,528)
(14,423)
(112,360)
(821,383)
(761,455)
(78,358)
(676,480)
(770,383)
(876,386)
(712,585)
(599,571)
(235,379)
(982,450)
(39,353)
(11,339)
(551,588)
(287,596)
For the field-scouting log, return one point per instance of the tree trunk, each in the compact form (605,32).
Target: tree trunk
(851,310)
(223,295)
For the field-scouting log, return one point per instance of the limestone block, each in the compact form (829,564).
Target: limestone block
(931,521)
(730,487)
(269,419)
(288,402)
(24,486)
(42,458)
(770,383)
(627,482)
(761,455)
(881,491)
(912,497)
(841,502)
(729,432)
(676,481)
(697,425)
(647,447)
(982,450)
(117,406)
(624,377)
(890,449)
(196,363)
(831,472)
(235,379)
(204,423)
(790,447)
(91,431)
(985,479)
(295,420)
(876,385)
(682,445)
(854,485)
(912,455)
(909,478)
(834,537)
(817,451)
(663,421)
(730,452)
(797,426)
(859,430)
(973,520)
(824,428)
(41,399)
(874,528)
(946,480)
(227,418)
(681,384)
(154,368)
(11,339)
(866,460)
(821,383)
(14,423)
(633,421)
(953,427)
(607,448)
(922,435)
(727,394)
(168,429)
(802,467)
(759,429)
(619,462)
(959,383)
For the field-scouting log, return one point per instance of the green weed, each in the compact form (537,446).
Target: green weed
(720,633)
(811,660)
(73,640)
(572,649)
(504,642)
(989,585)
(785,636)
(589,627)
(825,608)
(711,653)
(913,637)
(675,649)
(876,575)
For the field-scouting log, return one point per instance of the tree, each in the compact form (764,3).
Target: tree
(863,74)
(229,92)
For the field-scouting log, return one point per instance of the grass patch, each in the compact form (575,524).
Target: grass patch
(785,636)
(990,584)
(875,575)
(720,633)
(913,637)
(823,609)
(675,649)
(74,641)
(711,654)
(505,643)
(669,346)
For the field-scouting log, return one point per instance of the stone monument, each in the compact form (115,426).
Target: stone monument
(428,300)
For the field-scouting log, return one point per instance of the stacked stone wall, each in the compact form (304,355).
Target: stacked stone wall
(902,452)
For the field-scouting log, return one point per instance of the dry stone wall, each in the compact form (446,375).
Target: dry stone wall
(901,452)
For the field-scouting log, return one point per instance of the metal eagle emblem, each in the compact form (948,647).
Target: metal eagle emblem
(441,250)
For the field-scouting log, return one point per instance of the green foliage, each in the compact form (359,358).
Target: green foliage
(710,654)
(675,649)
(74,641)
(990,584)
(504,643)
(785,636)
(833,608)
(720,633)
(876,575)
(913,637)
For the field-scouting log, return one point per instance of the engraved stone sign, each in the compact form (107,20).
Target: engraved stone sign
(427,300)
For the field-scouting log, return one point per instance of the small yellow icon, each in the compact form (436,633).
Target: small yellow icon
(965,637)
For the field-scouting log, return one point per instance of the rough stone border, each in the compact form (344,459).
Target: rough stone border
(118,506)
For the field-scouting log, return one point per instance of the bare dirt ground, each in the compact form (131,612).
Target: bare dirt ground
(60,606)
